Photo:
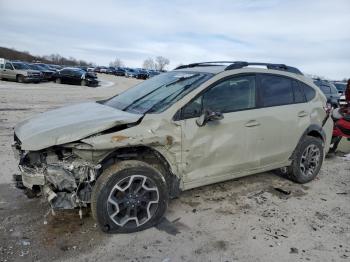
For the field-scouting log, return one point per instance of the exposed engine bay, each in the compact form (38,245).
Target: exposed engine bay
(65,179)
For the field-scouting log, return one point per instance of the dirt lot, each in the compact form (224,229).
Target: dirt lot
(248,219)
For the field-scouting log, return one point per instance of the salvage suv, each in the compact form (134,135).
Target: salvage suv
(199,124)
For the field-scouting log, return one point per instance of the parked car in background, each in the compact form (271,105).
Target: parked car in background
(19,72)
(341,86)
(197,125)
(110,70)
(141,74)
(46,74)
(330,91)
(152,73)
(129,72)
(57,67)
(47,67)
(119,71)
(75,76)
(103,69)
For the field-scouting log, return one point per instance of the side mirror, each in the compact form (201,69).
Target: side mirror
(208,116)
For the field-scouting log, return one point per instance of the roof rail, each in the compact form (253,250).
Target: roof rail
(211,63)
(241,64)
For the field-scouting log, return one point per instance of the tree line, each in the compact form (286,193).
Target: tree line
(158,63)
(13,54)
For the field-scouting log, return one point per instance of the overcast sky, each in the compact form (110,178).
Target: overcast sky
(312,35)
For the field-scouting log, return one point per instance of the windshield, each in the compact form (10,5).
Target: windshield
(20,66)
(36,67)
(158,93)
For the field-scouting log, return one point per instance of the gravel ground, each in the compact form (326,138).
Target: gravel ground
(257,218)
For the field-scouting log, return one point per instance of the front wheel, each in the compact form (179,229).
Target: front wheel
(20,79)
(129,196)
(307,160)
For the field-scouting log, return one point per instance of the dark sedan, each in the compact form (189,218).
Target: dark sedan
(75,76)
(119,71)
(141,74)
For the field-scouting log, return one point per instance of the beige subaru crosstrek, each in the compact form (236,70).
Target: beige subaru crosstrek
(199,124)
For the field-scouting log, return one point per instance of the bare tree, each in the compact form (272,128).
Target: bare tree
(161,62)
(149,64)
(117,63)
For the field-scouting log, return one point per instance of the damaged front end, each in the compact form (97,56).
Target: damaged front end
(64,178)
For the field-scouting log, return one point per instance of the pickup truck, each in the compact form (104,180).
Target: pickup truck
(18,71)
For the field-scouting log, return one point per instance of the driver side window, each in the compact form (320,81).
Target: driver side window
(233,94)
(8,66)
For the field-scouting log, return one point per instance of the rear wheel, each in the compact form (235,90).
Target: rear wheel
(307,160)
(129,196)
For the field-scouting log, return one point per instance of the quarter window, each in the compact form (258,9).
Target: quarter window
(308,91)
(299,96)
(275,90)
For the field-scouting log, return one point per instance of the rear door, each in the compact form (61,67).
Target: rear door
(283,117)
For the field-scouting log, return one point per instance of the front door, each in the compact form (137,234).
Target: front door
(220,149)
(8,72)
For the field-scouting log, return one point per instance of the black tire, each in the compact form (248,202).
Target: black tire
(58,80)
(118,174)
(20,79)
(294,172)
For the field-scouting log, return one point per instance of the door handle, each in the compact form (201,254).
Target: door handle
(252,123)
(302,114)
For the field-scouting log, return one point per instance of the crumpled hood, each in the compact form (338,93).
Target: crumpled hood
(69,124)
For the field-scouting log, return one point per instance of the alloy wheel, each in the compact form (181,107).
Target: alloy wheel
(310,160)
(133,201)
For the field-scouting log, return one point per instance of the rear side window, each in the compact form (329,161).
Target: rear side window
(299,96)
(275,90)
(308,91)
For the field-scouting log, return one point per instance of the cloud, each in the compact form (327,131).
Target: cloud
(312,35)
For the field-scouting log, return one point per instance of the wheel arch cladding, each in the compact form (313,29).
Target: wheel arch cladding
(150,156)
(314,131)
